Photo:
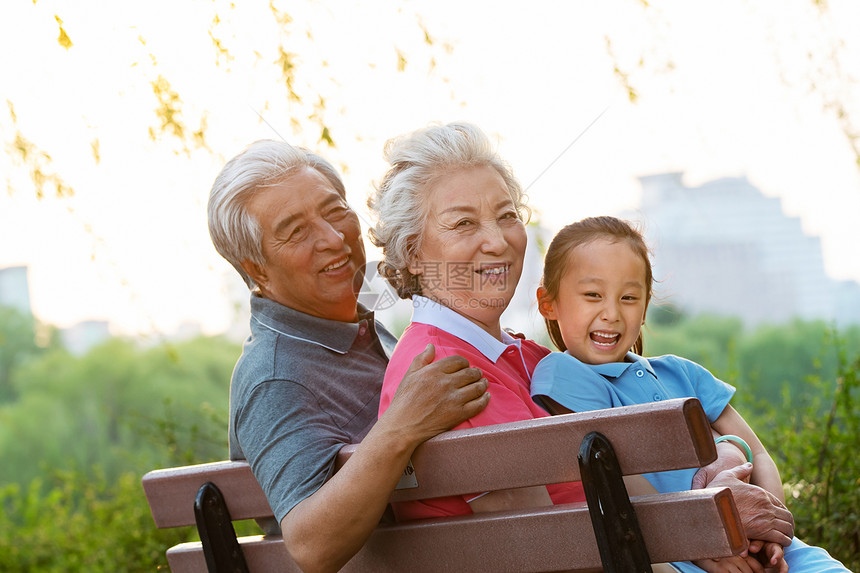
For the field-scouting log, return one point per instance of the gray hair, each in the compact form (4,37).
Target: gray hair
(417,159)
(236,234)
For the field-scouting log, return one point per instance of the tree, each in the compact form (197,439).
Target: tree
(17,345)
(118,408)
(255,51)
(809,49)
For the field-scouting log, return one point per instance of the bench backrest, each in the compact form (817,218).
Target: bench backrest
(668,435)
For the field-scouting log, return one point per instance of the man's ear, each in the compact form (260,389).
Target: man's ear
(256,271)
(545,304)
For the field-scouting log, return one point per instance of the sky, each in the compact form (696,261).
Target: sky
(736,88)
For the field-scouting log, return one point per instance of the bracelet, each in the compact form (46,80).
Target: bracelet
(739,442)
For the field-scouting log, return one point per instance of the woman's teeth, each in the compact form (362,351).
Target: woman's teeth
(493,270)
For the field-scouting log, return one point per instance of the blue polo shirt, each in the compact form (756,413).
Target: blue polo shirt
(581,387)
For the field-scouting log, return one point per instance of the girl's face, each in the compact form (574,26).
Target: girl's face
(601,301)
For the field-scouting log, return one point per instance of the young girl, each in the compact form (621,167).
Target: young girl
(594,295)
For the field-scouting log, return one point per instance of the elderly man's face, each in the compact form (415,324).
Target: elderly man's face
(312,247)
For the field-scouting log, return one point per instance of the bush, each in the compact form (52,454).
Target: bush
(815,446)
(76,523)
(820,466)
(81,433)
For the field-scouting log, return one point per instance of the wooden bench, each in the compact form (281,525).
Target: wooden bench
(668,435)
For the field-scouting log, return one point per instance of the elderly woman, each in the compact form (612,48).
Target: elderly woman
(449,218)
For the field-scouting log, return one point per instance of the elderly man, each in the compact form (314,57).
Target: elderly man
(309,377)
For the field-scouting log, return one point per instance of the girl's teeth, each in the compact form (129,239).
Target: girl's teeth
(602,339)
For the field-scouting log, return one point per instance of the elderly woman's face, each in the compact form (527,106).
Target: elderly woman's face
(473,246)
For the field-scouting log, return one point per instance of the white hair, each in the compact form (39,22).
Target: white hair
(236,234)
(397,205)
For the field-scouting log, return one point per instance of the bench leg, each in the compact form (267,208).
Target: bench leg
(220,546)
(619,539)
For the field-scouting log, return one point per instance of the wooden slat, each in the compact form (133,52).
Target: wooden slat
(676,527)
(668,435)
(171,492)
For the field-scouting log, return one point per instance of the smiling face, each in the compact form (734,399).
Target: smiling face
(312,246)
(601,302)
(472,249)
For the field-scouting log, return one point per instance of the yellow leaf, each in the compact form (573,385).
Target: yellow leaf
(63,39)
(326,136)
(94,144)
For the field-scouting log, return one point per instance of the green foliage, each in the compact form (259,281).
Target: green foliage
(17,342)
(119,408)
(817,457)
(664,314)
(77,522)
(83,430)
(771,361)
(798,387)
(19,333)
(80,436)
(709,340)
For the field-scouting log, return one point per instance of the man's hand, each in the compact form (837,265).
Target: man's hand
(326,529)
(436,396)
(764,517)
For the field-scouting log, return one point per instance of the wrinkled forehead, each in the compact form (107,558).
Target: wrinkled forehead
(301,191)
(466,186)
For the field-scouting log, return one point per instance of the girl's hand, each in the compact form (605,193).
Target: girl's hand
(770,555)
(736,564)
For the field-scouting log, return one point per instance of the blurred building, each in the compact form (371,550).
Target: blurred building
(15,289)
(81,337)
(724,248)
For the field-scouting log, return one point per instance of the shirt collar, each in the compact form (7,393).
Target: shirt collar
(332,334)
(616,369)
(426,311)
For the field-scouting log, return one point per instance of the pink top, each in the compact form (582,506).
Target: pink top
(507,366)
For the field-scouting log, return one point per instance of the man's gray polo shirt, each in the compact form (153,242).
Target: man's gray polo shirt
(303,387)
